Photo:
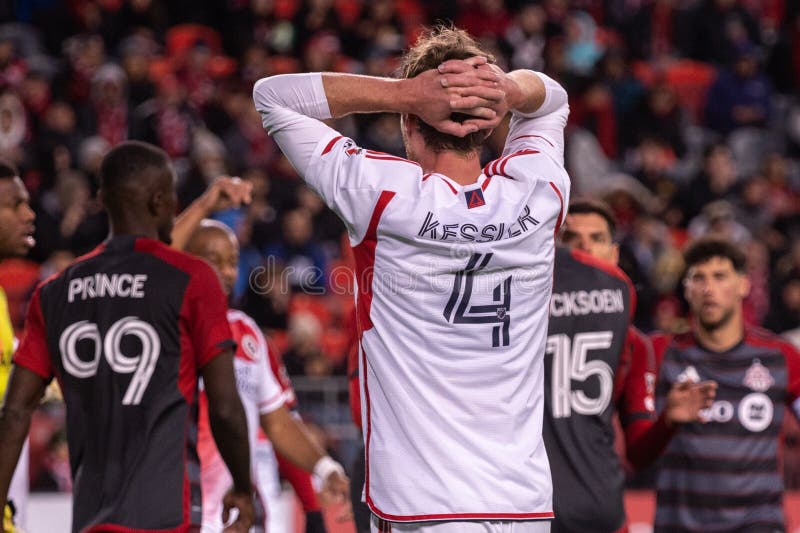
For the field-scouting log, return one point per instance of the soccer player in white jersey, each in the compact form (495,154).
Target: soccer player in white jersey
(262,396)
(454,266)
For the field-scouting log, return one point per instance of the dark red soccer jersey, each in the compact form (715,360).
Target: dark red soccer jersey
(593,365)
(125,330)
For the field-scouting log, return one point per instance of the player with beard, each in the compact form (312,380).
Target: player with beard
(599,365)
(16,239)
(725,472)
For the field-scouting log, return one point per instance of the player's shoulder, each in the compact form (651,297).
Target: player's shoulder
(67,273)
(593,263)
(765,338)
(190,264)
(242,319)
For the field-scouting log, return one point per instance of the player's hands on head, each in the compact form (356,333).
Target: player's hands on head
(474,98)
(469,90)
(687,400)
(227,192)
(243,503)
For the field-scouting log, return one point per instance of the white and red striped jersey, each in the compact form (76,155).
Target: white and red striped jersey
(454,284)
(260,394)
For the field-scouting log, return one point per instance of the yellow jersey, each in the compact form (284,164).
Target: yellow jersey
(6,343)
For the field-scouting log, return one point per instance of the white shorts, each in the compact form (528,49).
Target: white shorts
(378,525)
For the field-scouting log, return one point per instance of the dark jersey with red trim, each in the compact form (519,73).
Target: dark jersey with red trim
(125,330)
(725,473)
(589,370)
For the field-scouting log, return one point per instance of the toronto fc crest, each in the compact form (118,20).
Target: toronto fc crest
(758,377)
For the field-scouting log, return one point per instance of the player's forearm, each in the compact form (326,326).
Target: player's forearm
(14,426)
(351,93)
(290,439)
(229,426)
(187,222)
(532,92)
(645,440)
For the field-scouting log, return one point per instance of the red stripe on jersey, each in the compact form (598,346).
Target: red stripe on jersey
(451,187)
(493,168)
(426,176)
(561,211)
(515,154)
(374,154)
(364,253)
(365,373)
(536,136)
(330,145)
(486,183)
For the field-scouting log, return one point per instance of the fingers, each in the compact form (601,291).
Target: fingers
(456,129)
(489,94)
(226,511)
(462,65)
(469,79)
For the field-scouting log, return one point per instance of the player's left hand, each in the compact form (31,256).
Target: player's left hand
(336,488)
(243,503)
(687,400)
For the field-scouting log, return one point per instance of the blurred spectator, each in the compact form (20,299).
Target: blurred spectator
(720,29)
(593,109)
(55,475)
(12,68)
(303,256)
(659,29)
(718,217)
(741,96)
(13,128)
(524,40)
(107,111)
(137,52)
(582,48)
(626,90)
(167,120)
(305,341)
(715,181)
(484,19)
(68,218)
(658,116)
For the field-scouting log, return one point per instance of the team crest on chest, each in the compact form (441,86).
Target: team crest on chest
(758,377)
(689,374)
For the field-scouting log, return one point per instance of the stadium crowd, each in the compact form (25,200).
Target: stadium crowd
(685,118)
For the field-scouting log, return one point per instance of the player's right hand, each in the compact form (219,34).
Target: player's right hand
(227,192)
(242,502)
(686,401)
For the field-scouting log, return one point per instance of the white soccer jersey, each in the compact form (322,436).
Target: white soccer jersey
(260,394)
(453,290)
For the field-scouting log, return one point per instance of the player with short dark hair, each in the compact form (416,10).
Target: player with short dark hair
(599,365)
(454,267)
(126,330)
(725,472)
(16,239)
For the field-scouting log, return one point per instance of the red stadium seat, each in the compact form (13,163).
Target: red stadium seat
(183,36)
(691,80)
